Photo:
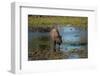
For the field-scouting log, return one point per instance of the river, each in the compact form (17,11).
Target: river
(72,38)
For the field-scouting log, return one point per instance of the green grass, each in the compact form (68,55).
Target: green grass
(61,20)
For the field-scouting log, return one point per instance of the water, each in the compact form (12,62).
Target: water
(73,56)
(73,34)
(71,38)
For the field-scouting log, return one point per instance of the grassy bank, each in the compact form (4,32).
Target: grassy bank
(61,20)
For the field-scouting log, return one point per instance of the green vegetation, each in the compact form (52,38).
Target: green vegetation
(39,42)
(39,46)
(61,20)
(46,54)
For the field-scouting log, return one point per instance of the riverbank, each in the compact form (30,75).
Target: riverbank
(49,21)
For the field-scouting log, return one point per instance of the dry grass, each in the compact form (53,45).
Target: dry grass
(54,55)
(46,55)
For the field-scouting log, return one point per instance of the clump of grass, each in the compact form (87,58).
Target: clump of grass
(46,55)
(82,53)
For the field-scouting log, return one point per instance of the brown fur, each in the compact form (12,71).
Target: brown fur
(56,38)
